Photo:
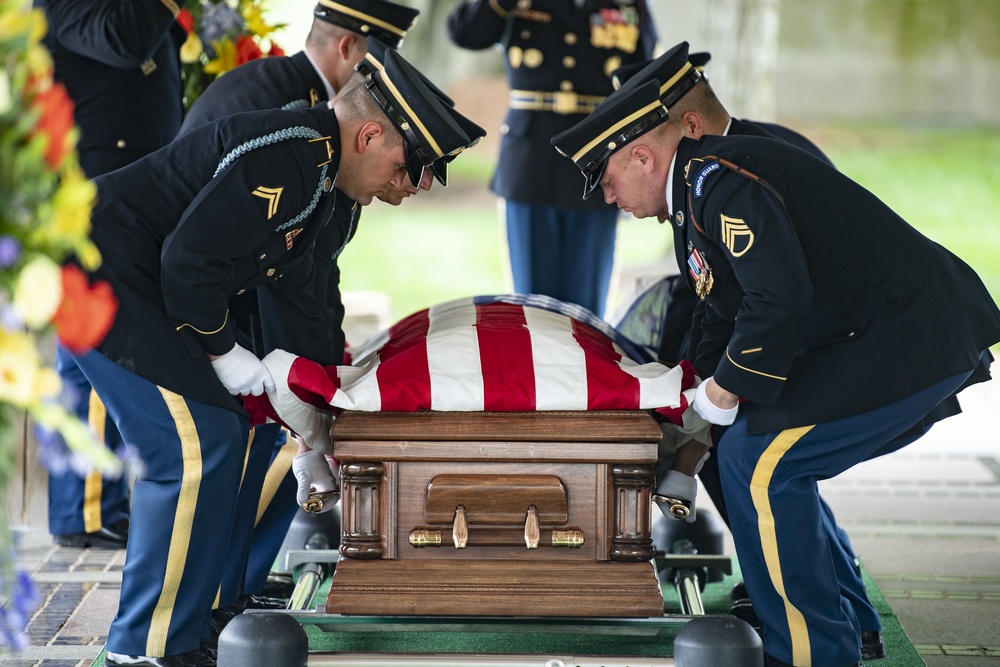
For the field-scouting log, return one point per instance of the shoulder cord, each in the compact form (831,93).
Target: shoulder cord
(273,138)
(732,166)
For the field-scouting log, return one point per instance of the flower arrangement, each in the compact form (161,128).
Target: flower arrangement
(222,34)
(45,204)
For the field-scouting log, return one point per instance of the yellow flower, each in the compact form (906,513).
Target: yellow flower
(39,63)
(88,255)
(225,57)
(253,14)
(19,369)
(191,49)
(13,23)
(49,383)
(38,291)
(71,205)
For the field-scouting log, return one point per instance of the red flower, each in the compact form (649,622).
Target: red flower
(186,20)
(247,50)
(86,312)
(275,50)
(55,121)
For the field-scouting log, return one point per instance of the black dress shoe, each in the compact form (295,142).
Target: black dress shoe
(189,659)
(114,536)
(872,645)
(279,585)
(738,592)
(774,662)
(262,602)
(743,610)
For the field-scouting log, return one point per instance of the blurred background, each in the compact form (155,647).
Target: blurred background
(903,95)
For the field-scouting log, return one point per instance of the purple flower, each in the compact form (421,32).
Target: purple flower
(10,250)
(9,318)
(219,20)
(52,450)
(21,601)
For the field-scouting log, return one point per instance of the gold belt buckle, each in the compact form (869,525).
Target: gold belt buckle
(565,102)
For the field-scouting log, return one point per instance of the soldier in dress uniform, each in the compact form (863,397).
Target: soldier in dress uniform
(120,65)
(233,206)
(278,506)
(336,42)
(693,106)
(842,327)
(559,56)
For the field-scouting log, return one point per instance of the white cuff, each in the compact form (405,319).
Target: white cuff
(710,411)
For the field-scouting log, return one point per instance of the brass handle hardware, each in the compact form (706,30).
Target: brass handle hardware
(532,534)
(678,507)
(567,538)
(500,536)
(317,500)
(460,529)
(423,537)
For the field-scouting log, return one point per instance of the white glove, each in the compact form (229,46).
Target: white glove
(709,411)
(242,373)
(676,486)
(313,474)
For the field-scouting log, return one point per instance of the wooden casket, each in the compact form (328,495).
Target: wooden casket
(496,514)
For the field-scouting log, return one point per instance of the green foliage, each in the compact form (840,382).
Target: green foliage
(945,182)
(448,242)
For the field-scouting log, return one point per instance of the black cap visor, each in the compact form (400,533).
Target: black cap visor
(594,170)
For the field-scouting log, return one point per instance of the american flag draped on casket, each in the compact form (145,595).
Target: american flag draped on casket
(507,353)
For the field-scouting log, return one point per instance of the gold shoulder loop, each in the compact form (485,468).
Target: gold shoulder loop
(497,8)
(313,97)
(172,6)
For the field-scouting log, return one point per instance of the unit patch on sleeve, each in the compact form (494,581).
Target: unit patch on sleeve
(736,235)
(272,195)
(699,181)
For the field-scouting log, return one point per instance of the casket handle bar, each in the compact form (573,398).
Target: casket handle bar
(460,529)
(531,532)
(532,536)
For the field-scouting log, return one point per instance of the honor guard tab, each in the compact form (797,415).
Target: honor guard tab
(387,21)
(625,115)
(429,126)
(674,71)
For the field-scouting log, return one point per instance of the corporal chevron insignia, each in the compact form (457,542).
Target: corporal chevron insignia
(737,236)
(272,195)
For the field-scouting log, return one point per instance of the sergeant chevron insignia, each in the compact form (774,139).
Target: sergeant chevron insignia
(736,235)
(272,195)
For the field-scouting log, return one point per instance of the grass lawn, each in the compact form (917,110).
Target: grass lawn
(447,243)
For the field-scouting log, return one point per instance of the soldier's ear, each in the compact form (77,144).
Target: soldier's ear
(346,45)
(644,156)
(693,125)
(367,135)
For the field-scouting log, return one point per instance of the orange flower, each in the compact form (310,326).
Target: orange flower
(86,312)
(56,120)
(186,21)
(247,50)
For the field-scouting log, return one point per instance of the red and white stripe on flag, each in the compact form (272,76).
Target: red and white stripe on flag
(466,355)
